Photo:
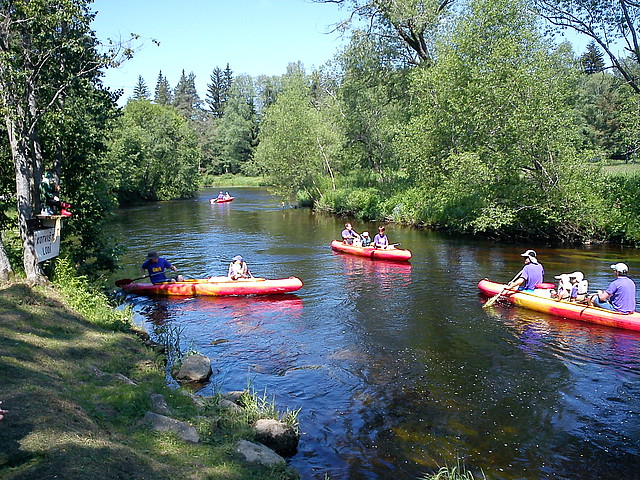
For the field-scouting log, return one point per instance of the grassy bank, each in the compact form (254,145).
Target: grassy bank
(72,414)
(229,180)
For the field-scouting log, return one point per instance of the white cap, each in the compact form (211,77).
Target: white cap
(579,276)
(620,267)
(531,254)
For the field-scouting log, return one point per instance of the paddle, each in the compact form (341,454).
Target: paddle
(126,281)
(493,299)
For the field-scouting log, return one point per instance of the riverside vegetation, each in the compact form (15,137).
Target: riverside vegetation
(465,116)
(65,421)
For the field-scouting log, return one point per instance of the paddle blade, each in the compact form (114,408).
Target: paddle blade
(491,301)
(123,281)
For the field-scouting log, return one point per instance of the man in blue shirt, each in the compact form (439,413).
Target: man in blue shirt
(620,295)
(156,266)
(531,274)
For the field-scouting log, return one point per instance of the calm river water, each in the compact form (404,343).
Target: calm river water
(397,369)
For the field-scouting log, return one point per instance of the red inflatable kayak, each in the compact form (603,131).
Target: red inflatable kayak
(393,254)
(217,286)
(223,200)
(576,311)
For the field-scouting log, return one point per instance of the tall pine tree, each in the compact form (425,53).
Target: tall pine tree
(163,91)
(215,92)
(219,89)
(140,91)
(185,95)
(593,59)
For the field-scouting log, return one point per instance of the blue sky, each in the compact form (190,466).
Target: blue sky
(254,36)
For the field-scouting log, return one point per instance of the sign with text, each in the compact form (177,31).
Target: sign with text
(47,242)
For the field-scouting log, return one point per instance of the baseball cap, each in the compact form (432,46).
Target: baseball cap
(620,267)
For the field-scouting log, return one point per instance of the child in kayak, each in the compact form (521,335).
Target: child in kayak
(239,269)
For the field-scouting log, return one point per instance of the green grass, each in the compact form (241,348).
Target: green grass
(66,420)
(451,473)
(229,180)
(623,169)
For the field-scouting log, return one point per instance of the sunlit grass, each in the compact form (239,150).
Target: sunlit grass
(452,473)
(229,180)
(622,169)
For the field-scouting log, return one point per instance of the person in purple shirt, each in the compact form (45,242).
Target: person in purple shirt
(156,266)
(349,234)
(531,274)
(620,295)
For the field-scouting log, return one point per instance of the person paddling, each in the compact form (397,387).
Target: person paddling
(349,234)
(239,269)
(620,295)
(381,240)
(156,266)
(531,274)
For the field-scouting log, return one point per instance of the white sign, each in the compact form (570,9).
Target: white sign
(47,242)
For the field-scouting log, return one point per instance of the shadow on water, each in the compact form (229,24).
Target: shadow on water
(397,367)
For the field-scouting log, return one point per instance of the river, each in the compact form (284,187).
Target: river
(397,369)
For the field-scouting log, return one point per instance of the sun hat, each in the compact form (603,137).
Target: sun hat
(579,276)
(620,267)
(237,258)
(365,234)
(531,254)
(152,255)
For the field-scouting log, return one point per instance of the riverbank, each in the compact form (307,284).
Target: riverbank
(76,394)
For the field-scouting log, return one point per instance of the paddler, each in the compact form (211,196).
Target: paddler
(531,274)
(156,266)
(239,269)
(349,234)
(620,295)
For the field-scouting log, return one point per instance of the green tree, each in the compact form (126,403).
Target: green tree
(493,143)
(599,104)
(140,91)
(237,129)
(592,60)
(373,90)
(79,133)
(185,96)
(216,92)
(300,140)
(163,91)
(609,23)
(409,24)
(45,48)
(155,154)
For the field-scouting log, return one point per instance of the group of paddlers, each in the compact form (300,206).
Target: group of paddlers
(156,265)
(620,295)
(351,237)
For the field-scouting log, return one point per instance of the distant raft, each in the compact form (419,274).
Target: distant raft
(391,254)
(216,286)
(221,200)
(561,308)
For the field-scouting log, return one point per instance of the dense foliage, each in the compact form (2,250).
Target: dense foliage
(462,116)
(154,154)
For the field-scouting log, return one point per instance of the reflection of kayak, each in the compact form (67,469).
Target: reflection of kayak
(217,286)
(222,200)
(574,311)
(397,254)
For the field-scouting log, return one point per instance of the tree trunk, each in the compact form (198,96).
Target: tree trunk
(5,267)
(24,196)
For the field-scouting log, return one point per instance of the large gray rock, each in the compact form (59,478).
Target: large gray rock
(195,368)
(162,423)
(254,453)
(277,435)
